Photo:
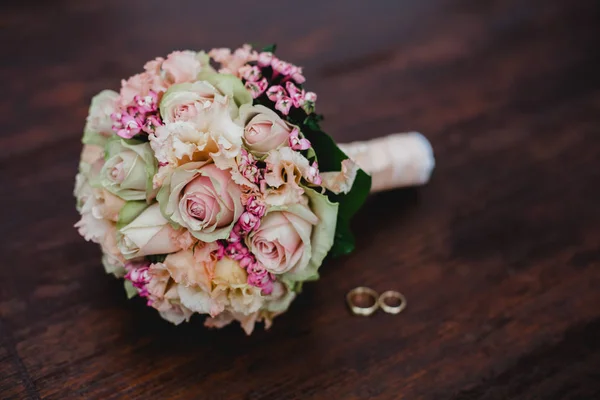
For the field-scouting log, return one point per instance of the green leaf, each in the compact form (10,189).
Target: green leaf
(270,48)
(129,289)
(156,258)
(344,239)
(330,159)
(129,212)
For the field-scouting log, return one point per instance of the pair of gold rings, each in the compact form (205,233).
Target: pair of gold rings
(365,301)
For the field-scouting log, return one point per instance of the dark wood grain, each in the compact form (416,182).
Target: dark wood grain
(498,256)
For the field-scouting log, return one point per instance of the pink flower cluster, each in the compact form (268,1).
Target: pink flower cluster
(248,167)
(285,94)
(140,116)
(291,96)
(298,143)
(236,248)
(138,274)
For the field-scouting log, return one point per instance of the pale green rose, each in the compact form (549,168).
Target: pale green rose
(185,101)
(202,198)
(128,169)
(188,101)
(112,265)
(98,127)
(148,234)
(292,240)
(230,85)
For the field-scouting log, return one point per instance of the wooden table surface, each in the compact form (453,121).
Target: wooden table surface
(498,256)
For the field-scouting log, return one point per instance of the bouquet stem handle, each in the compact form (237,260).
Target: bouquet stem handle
(394,161)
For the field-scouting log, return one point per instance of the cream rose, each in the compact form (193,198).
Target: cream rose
(231,287)
(202,198)
(264,130)
(193,267)
(128,170)
(99,124)
(165,296)
(195,134)
(148,234)
(99,210)
(294,239)
(206,300)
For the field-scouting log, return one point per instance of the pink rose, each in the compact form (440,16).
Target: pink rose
(264,129)
(295,238)
(202,198)
(281,240)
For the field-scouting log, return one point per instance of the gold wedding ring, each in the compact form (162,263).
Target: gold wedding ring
(392,295)
(354,296)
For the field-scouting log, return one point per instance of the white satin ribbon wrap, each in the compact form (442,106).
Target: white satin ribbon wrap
(393,161)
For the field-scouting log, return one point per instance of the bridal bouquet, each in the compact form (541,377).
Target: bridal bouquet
(210,187)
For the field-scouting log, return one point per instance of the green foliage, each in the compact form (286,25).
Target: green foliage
(129,289)
(330,159)
(156,258)
(270,48)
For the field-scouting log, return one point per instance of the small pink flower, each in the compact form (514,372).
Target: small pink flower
(297,143)
(284,104)
(313,174)
(296,74)
(147,103)
(265,58)
(280,66)
(310,96)
(257,88)
(235,235)
(130,127)
(256,280)
(152,122)
(236,251)
(138,274)
(276,93)
(267,288)
(248,167)
(250,73)
(249,221)
(255,206)
(246,260)
(220,55)
(116,118)
(259,277)
(245,158)
(252,173)
(296,94)
(257,269)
